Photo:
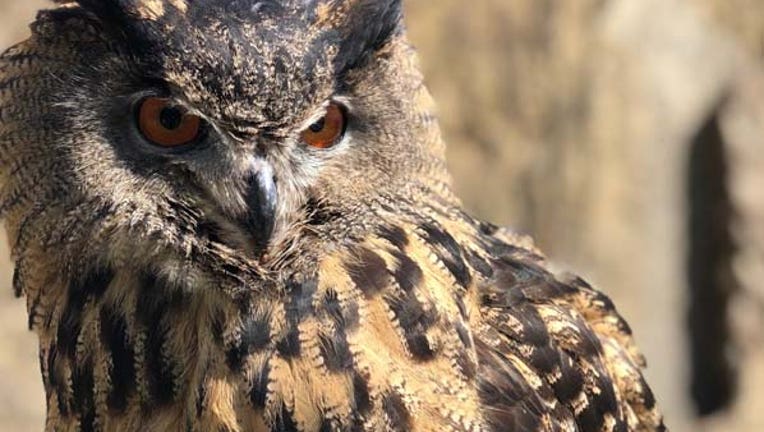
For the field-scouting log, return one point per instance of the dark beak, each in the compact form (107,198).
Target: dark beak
(261,197)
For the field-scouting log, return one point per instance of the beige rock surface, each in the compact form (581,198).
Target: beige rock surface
(571,120)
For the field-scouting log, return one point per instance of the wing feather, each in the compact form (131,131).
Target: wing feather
(577,351)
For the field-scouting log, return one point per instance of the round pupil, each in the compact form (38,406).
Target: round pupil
(171,118)
(318,126)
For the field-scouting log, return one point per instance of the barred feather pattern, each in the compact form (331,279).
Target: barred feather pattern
(433,322)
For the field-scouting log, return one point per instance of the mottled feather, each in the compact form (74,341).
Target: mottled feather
(376,304)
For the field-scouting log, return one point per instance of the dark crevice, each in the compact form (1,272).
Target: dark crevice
(711,282)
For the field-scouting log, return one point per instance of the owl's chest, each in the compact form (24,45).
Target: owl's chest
(354,347)
(378,335)
(331,356)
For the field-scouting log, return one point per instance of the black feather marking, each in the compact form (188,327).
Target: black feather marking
(256,333)
(289,345)
(42,359)
(210,230)
(83,395)
(122,372)
(33,311)
(419,346)
(217,327)
(648,398)
(157,301)
(399,417)
(255,336)
(17,282)
(412,313)
(56,382)
(578,281)
(361,394)
(464,334)
(534,331)
(487,228)
(509,403)
(368,271)
(449,252)
(571,381)
(62,402)
(466,364)
(463,312)
(544,359)
(284,421)
(160,370)
(335,351)
(547,289)
(352,315)
(298,307)
(623,426)
(318,213)
(414,320)
(588,345)
(346,317)
(514,273)
(93,285)
(259,392)
(395,235)
(326,426)
(479,264)
(509,293)
(589,419)
(201,394)
(407,274)
(498,248)
(300,304)
(606,400)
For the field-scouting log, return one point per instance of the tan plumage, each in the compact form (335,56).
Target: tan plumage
(166,299)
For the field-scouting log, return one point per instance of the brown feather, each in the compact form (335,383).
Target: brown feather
(378,304)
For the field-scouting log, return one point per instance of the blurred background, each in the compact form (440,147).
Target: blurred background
(626,136)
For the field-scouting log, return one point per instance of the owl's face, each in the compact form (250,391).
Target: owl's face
(236,118)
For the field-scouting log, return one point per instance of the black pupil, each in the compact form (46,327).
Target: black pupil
(171,118)
(318,126)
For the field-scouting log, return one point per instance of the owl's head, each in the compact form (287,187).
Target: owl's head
(235,121)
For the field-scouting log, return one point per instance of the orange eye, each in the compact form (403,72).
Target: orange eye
(326,132)
(167,125)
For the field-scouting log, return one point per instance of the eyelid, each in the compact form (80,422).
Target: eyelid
(319,112)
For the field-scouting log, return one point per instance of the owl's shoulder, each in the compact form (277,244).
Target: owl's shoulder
(528,347)
(564,338)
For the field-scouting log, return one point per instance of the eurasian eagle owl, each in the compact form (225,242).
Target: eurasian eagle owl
(234,215)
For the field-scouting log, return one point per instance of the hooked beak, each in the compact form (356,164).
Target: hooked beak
(261,197)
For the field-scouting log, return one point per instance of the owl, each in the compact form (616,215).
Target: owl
(235,215)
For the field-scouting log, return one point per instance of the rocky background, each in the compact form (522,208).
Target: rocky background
(626,136)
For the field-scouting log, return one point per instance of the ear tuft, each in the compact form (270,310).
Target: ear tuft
(149,10)
(368,25)
(142,22)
